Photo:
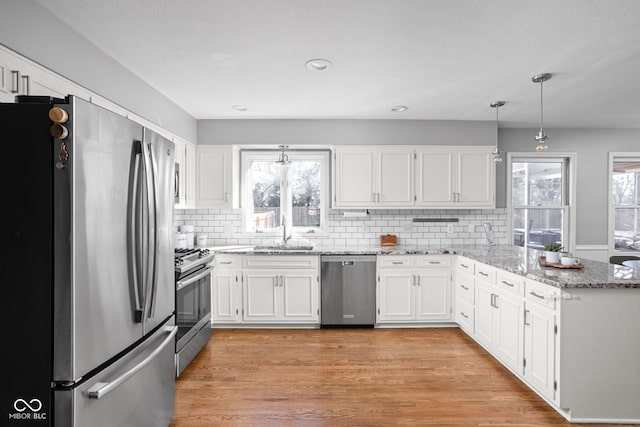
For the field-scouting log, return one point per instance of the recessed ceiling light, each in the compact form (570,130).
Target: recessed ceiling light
(239,107)
(399,108)
(318,64)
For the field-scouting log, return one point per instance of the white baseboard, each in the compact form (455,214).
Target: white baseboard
(592,252)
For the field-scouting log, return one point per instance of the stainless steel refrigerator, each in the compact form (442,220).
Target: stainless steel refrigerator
(89,293)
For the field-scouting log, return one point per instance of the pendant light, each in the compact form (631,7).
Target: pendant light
(541,138)
(497,154)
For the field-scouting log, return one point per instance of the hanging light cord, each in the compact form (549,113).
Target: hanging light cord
(541,110)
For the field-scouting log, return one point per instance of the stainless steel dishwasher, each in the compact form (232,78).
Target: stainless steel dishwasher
(348,288)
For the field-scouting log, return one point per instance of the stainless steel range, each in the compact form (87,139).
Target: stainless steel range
(193,303)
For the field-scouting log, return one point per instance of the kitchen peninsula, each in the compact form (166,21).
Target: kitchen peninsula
(571,335)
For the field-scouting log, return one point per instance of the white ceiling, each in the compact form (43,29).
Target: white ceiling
(444,59)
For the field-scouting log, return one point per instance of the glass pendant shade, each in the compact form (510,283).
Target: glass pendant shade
(541,138)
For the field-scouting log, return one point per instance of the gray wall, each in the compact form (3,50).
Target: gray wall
(30,30)
(341,132)
(592,147)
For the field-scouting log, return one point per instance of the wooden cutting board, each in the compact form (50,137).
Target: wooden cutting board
(388,240)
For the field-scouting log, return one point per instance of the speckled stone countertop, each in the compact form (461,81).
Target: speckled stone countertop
(514,259)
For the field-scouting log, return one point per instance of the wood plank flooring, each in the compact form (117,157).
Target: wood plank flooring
(352,377)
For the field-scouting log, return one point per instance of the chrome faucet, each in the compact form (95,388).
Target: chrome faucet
(285,239)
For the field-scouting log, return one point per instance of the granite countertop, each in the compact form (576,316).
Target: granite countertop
(514,259)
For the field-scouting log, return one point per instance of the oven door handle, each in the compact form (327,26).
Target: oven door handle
(182,283)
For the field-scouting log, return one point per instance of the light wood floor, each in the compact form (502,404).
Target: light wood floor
(352,377)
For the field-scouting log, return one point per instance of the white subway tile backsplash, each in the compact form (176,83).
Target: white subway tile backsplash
(224,227)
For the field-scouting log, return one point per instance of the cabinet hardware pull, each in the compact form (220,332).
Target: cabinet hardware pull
(464,315)
(434,262)
(418,277)
(482,273)
(508,284)
(225,262)
(396,262)
(536,295)
(26,85)
(413,280)
(464,266)
(464,287)
(496,301)
(525,318)
(15,81)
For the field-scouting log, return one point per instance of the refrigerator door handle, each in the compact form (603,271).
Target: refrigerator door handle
(133,239)
(151,234)
(100,390)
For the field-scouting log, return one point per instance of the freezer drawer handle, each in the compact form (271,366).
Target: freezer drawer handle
(100,390)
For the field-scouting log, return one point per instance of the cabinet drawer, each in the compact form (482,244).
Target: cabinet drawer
(280,261)
(433,261)
(466,265)
(465,315)
(464,287)
(486,273)
(392,261)
(542,294)
(224,261)
(510,282)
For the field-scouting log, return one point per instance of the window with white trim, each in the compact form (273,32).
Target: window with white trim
(624,203)
(540,200)
(297,195)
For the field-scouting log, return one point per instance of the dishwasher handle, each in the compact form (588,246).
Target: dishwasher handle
(349,259)
(347,262)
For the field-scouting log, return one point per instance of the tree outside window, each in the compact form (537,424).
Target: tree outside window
(305,178)
(625,201)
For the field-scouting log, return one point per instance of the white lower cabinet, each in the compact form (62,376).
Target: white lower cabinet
(226,292)
(414,288)
(499,318)
(540,327)
(515,319)
(280,289)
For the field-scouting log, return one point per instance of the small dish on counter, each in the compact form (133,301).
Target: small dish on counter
(544,263)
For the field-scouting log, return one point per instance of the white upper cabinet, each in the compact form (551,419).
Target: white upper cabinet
(455,177)
(185,175)
(21,77)
(414,176)
(214,176)
(373,177)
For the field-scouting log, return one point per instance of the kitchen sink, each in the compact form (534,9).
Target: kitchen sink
(267,248)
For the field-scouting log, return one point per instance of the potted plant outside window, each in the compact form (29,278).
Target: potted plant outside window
(552,252)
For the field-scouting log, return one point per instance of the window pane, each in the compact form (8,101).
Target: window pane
(627,229)
(626,183)
(265,187)
(537,184)
(543,226)
(304,183)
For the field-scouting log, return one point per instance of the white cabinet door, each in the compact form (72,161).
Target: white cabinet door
(476,178)
(225,294)
(394,180)
(396,295)
(433,294)
(484,311)
(260,292)
(509,327)
(539,349)
(213,176)
(353,178)
(189,177)
(435,177)
(300,296)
